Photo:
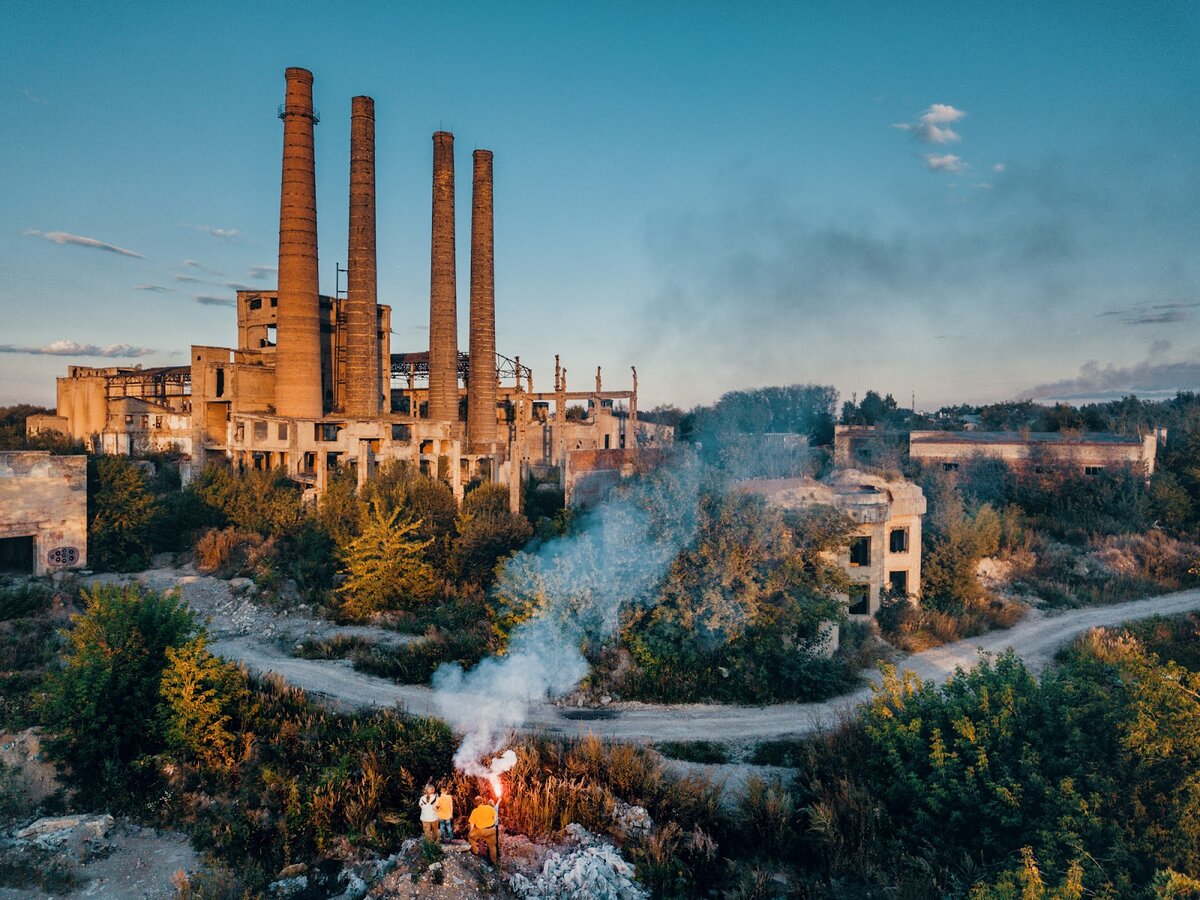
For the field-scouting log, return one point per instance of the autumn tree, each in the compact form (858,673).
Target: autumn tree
(385,566)
(201,694)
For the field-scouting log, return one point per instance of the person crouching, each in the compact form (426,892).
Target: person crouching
(429,816)
(484,834)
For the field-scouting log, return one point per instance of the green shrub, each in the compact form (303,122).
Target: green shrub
(102,707)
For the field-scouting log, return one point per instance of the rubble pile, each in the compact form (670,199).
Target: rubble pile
(589,870)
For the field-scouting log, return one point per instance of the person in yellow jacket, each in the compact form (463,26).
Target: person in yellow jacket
(485,830)
(445,811)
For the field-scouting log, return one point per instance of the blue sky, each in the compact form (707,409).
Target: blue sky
(968,202)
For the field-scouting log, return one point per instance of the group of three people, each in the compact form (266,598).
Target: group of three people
(437,821)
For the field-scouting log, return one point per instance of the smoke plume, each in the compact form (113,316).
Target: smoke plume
(567,594)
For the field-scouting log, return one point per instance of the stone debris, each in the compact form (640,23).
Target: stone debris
(591,870)
(75,834)
(633,820)
(288,887)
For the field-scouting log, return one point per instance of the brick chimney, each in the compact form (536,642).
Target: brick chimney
(481,389)
(298,331)
(443,300)
(363,387)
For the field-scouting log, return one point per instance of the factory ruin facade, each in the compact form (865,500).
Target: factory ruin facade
(313,385)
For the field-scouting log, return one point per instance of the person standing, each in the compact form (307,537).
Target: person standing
(429,816)
(485,830)
(445,811)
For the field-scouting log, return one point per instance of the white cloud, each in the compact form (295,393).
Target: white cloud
(999,167)
(945,162)
(260,272)
(63,237)
(207,300)
(72,348)
(932,126)
(941,113)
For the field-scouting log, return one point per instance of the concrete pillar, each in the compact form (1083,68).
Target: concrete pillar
(365,467)
(298,333)
(481,388)
(443,300)
(362,336)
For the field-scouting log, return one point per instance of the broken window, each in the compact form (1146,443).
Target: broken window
(260,431)
(283,431)
(898,540)
(158,422)
(274,301)
(256,302)
(607,438)
(271,335)
(860,599)
(1092,470)
(860,551)
(898,582)
(220,382)
(949,467)
(16,554)
(401,433)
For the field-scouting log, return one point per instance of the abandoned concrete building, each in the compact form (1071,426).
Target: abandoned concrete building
(43,512)
(313,386)
(884,554)
(1091,453)
(1029,451)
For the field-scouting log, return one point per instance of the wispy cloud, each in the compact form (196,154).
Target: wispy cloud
(208,300)
(1152,313)
(192,264)
(945,162)
(237,286)
(153,288)
(188,279)
(72,348)
(223,233)
(258,273)
(933,125)
(34,98)
(63,237)
(999,167)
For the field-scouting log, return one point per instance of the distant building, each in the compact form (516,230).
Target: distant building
(43,512)
(885,552)
(1091,453)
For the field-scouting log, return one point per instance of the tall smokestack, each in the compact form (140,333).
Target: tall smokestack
(443,300)
(298,332)
(481,389)
(362,335)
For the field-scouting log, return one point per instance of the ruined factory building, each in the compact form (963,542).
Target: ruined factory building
(884,554)
(313,384)
(43,512)
(1088,452)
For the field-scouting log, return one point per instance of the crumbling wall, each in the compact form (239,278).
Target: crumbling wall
(45,497)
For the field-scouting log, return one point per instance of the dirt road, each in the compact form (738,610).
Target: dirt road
(1036,639)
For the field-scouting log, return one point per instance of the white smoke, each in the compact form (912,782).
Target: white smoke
(569,591)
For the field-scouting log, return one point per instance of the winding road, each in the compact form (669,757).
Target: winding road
(1035,639)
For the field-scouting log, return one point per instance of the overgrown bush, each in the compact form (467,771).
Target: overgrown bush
(102,707)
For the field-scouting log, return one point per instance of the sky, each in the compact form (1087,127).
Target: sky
(965,202)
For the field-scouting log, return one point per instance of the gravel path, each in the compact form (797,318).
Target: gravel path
(1036,639)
